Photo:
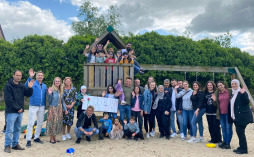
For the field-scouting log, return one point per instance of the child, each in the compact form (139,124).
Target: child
(117,130)
(126,59)
(119,87)
(132,130)
(110,57)
(80,100)
(91,55)
(105,128)
(118,55)
(100,56)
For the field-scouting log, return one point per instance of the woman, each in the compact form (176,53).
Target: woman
(221,99)
(137,106)
(198,105)
(111,91)
(70,96)
(55,112)
(162,105)
(91,55)
(213,122)
(188,112)
(149,117)
(241,114)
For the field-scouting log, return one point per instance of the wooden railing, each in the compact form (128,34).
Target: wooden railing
(98,76)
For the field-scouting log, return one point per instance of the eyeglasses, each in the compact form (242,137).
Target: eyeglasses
(110,88)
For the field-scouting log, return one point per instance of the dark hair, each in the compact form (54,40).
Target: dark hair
(128,43)
(95,50)
(196,82)
(133,118)
(118,120)
(140,92)
(128,78)
(40,72)
(105,113)
(114,90)
(17,71)
(112,53)
(222,83)
(173,80)
(179,80)
(206,89)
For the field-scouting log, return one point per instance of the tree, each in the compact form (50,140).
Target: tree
(224,40)
(92,22)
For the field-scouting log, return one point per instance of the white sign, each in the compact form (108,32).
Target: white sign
(100,104)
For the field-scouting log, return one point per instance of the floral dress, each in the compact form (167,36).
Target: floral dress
(69,95)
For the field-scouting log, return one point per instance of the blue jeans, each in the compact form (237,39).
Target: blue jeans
(136,69)
(195,120)
(172,121)
(180,120)
(124,110)
(114,115)
(13,127)
(80,133)
(226,128)
(187,116)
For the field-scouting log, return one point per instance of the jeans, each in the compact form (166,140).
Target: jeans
(124,110)
(33,112)
(13,127)
(226,128)
(136,69)
(214,128)
(180,121)
(195,120)
(187,117)
(172,121)
(138,118)
(129,134)
(80,133)
(114,115)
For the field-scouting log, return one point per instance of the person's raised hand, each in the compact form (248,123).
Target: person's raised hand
(31,73)
(133,94)
(177,86)
(87,47)
(103,93)
(50,90)
(243,89)
(31,83)
(107,42)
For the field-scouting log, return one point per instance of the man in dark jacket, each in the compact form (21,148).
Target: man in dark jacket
(83,126)
(14,93)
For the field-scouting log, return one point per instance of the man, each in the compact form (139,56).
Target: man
(128,47)
(36,107)
(166,85)
(125,109)
(137,83)
(176,105)
(180,84)
(83,126)
(14,93)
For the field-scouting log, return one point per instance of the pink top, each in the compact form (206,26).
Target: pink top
(224,100)
(136,107)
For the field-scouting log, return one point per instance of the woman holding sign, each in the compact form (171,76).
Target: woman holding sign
(70,96)
(56,107)
(111,91)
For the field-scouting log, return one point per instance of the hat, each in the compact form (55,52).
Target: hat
(83,87)
(124,50)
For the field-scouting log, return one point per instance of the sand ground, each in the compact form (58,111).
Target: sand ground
(149,147)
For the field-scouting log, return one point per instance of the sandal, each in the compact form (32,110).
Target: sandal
(52,142)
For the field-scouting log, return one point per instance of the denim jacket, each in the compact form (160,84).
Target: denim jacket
(141,101)
(53,100)
(148,99)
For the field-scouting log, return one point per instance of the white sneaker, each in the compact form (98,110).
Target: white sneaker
(173,135)
(182,135)
(192,140)
(152,133)
(147,135)
(183,138)
(201,139)
(64,138)
(123,102)
(68,136)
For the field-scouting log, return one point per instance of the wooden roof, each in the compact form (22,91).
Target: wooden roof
(113,37)
(1,33)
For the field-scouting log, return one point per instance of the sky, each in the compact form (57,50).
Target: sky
(202,18)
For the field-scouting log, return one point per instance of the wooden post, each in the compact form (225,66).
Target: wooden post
(91,76)
(109,77)
(115,74)
(97,76)
(86,76)
(103,78)
(232,76)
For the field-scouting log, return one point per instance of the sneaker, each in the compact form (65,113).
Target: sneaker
(235,150)
(38,141)
(18,147)
(135,138)
(184,138)
(147,135)
(173,135)
(28,144)
(167,137)
(7,149)
(78,140)
(142,138)
(68,136)
(201,139)
(226,146)
(123,102)
(192,140)
(182,135)
(222,145)
(100,138)
(64,138)
(151,134)
(88,139)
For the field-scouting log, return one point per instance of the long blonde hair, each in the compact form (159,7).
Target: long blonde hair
(60,88)
(66,78)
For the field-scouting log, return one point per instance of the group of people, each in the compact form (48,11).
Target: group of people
(99,54)
(138,107)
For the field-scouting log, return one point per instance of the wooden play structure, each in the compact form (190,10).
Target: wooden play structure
(98,76)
